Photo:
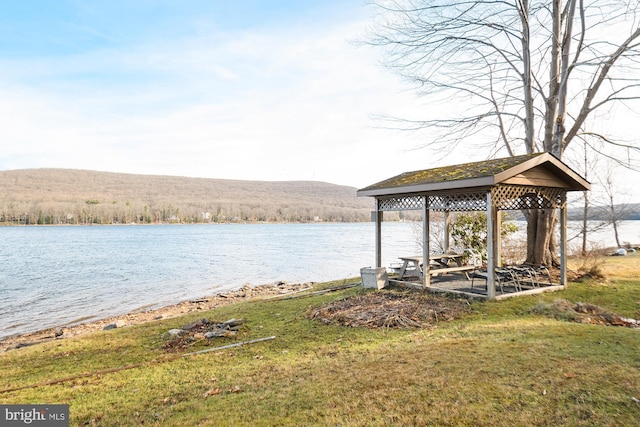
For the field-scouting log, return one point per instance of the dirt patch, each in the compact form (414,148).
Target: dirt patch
(392,309)
(580,312)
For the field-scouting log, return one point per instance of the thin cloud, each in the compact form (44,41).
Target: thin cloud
(264,101)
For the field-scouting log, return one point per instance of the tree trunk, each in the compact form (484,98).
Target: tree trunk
(615,230)
(612,209)
(541,241)
(525,40)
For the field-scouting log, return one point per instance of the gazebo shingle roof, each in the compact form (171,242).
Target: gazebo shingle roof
(476,174)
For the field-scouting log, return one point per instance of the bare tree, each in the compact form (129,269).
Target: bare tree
(527,76)
(589,164)
(589,169)
(613,212)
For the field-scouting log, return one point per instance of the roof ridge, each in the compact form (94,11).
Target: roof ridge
(479,173)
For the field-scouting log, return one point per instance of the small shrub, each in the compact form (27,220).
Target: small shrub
(469,231)
(591,265)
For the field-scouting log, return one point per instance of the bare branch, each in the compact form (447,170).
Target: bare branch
(512,67)
(599,79)
(617,160)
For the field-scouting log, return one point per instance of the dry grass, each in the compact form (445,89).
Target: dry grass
(622,267)
(599,265)
(591,265)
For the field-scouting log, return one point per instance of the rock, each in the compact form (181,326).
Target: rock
(218,333)
(58,333)
(176,332)
(232,323)
(631,323)
(192,325)
(196,324)
(109,327)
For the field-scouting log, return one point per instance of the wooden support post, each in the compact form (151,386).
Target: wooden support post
(491,247)
(379,218)
(425,241)
(563,241)
(498,230)
(447,230)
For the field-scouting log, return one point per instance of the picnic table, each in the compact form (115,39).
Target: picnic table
(438,263)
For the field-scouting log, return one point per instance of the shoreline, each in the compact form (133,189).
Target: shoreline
(246,292)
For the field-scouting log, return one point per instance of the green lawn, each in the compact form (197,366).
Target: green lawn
(499,365)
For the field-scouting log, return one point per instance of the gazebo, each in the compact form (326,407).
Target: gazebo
(532,181)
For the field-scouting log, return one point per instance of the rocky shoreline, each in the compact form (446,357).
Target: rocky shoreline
(247,292)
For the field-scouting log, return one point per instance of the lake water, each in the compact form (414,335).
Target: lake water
(51,276)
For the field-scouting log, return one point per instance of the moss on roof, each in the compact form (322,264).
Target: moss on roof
(473,170)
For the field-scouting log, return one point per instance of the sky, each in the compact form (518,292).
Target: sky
(253,90)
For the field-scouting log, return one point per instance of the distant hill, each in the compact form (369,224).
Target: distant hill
(630,211)
(69,196)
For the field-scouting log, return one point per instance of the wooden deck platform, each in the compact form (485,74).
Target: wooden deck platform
(475,288)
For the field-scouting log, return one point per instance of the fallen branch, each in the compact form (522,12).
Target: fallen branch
(281,296)
(310,294)
(224,347)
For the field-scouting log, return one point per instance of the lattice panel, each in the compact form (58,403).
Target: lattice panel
(513,197)
(504,197)
(401,203)
(459,202)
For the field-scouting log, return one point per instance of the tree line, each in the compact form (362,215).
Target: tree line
(95,212)
(53,197)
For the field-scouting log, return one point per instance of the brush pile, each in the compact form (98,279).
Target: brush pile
(580,312)
(391,309)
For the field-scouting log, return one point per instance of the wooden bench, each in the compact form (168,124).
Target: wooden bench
(412,265)
(444,270)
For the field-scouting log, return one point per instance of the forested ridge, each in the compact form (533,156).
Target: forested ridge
(71,196)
